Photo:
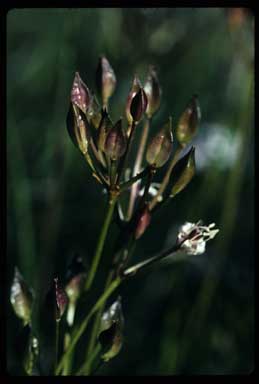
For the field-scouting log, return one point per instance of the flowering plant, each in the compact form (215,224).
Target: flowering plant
(106,145)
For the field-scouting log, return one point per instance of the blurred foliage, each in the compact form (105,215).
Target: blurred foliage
(192,318)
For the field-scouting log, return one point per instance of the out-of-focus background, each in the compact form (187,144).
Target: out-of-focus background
(195,317)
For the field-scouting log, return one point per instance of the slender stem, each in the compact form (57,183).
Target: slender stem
(166,178)
(79,331)
(100,243)
(143,264)
(69,359)
(94,332)
(84,369)
(57,344)
(131,181)
(126,154)
(137,165)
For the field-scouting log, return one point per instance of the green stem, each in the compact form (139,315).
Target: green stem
(94,333)
(57,344)
(85,368)
(101,241)
(79,331)
(143,264)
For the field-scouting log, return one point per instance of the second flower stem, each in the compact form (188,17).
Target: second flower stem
(101,242)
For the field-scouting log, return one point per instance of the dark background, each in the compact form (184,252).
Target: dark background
(196,317)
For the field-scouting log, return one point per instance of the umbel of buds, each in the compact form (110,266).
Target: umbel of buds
(21,298)
(160,147)
(183,172)
(115,143)
(153,92)
(138,105)
(188,122)
(105,80)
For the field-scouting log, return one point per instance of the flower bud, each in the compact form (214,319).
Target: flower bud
(142,222)
(104,128)
(138,105)
(111,331)
(105,80)
(160,147)
(115,143)
(183,172)
(93,113)
(80,94)
(153,92)
(21,297)
(134,89)
(77,128)
(188,122)
(61,299)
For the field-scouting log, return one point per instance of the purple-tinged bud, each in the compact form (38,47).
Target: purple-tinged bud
(142,222)
(160,147)
(61,299)
(183,172)
(153,92)
(104,127)
(105,80)
(138,105)
(115,143)
(188,122)
(80,94)
(136,85)
(21,297)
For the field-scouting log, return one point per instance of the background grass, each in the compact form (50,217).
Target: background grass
(192,318)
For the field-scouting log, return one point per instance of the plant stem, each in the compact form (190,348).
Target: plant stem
(95,328)
(79,331)
(126,154)
(84,369)
(137,165)
(143,264)
(101,241)
(166,178)
(57,344)
(131,181)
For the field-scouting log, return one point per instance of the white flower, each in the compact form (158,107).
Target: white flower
(193,237)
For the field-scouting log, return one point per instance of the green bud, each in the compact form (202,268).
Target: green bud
(183,172)
(138,105)
(104,128)
(61,299)
(134,89)
(21,297)
(153,92)
(142,222)
(77,128)
(115,143)
(80,94)
(160,147)
(105,79)
(188,122)
(93,113)
(111,331)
